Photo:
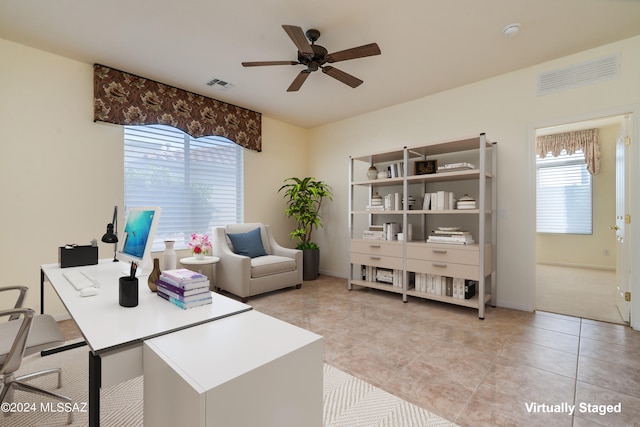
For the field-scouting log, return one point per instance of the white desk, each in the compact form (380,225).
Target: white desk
(115,334)
(245,370)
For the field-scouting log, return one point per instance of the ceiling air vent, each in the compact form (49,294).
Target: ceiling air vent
(587,73)
(219,84)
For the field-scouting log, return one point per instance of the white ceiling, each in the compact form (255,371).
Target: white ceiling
(427,45)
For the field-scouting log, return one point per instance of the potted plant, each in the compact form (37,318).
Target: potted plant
(304,198)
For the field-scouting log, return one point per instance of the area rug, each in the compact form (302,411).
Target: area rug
(348,401)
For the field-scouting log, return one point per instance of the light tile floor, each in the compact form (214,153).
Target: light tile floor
(473,372)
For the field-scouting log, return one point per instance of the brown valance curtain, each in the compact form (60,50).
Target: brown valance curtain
(586,140)
(126,99)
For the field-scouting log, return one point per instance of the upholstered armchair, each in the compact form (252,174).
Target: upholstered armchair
(252,262)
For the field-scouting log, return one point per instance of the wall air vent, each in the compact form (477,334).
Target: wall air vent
(606,68)
(219,84)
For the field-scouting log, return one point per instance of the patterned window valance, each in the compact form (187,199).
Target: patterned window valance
(586,140)
(126,99)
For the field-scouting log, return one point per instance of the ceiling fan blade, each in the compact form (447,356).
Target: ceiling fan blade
(353,53)
(345,78)
(261,63)
(297,82)
(299,39)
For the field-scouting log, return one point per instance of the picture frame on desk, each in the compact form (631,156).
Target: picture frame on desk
(424,167)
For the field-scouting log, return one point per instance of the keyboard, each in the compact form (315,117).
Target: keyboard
(80,280)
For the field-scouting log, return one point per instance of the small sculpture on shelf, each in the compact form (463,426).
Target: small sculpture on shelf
(372,172)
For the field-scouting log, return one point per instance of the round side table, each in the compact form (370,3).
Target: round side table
(196,265)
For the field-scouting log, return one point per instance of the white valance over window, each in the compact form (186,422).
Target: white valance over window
(585,140)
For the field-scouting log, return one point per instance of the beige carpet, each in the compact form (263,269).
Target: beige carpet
(348,401)
(579,292)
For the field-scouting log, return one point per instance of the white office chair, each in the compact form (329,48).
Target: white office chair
(22,338)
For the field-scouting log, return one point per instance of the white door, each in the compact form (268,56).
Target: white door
(623,267)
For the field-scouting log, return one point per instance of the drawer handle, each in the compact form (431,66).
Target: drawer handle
(374,246)
(374,257)
(439,251)
(437,264)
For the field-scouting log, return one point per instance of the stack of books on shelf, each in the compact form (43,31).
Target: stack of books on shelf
(455,287)
(184,288)
(451,235)
(374,232)
(455,167)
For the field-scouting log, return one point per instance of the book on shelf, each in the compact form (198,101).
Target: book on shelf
(181,294)
(454,240)
(203,283)
(184,275)
(455,167)
(375,235)
(426,202)
(185,305)
(443,235)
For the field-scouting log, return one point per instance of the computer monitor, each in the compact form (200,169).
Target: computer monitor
(137,238)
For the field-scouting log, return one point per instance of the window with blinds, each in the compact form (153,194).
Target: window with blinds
(563,195)
(197,182)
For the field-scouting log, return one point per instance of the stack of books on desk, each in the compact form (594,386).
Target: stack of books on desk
(184,288)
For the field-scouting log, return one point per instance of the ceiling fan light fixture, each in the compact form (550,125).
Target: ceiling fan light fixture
(511,30)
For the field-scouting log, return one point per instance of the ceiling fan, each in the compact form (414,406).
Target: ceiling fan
(315,57)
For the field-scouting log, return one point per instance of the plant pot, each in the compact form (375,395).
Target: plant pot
(310,263)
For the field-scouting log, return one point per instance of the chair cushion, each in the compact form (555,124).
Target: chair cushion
(271,264)
(248,244)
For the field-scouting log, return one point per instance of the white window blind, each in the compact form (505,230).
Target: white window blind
(563,195)
(197,182)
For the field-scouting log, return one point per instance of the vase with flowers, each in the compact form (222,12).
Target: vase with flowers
(200,245)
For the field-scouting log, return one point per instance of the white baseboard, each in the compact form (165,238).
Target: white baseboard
(566,264)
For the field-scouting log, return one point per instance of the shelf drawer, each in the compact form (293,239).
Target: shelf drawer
(440,268)
(376,260)
(375,247)
(441,253)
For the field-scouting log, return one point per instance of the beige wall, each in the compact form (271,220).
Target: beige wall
(588,250)
(508,109)
(61,173)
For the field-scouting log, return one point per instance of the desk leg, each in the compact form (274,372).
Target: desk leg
(95,379)
(41,291)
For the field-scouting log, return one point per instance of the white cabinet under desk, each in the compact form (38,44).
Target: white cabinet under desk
(249,369)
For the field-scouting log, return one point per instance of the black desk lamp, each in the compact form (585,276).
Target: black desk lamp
(110,236)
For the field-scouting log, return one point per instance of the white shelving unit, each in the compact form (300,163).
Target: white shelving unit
(402,261)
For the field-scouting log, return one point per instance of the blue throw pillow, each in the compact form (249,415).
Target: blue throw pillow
(248,244)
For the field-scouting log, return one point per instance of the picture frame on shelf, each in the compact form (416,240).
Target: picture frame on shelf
(424,167)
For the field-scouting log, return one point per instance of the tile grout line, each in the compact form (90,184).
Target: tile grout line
(575,383)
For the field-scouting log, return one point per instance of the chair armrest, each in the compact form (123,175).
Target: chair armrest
(21,297)
(16,312)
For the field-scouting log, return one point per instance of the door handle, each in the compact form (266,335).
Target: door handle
(614,227)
